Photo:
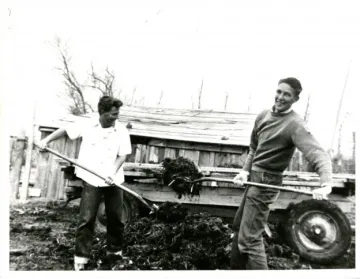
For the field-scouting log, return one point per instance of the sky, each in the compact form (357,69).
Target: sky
(238,49)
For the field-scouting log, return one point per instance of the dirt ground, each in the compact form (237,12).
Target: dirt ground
(42,236)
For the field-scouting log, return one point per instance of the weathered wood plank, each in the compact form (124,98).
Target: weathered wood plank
(212,159)
(147,154)
(11,146)
(215,126)
(206,158)
(237,160)
(197,146)
(137,157)
(54,170)
(78,145)
(154,154)
(193,155)
(42,172)
(17,160)
(168,112)
(221,159)
(170,153)
(48,174)
(59,183)
(181,153)
(233,140)
(161,154)
(143,153)
(189,131)
(131,157)
(69,149)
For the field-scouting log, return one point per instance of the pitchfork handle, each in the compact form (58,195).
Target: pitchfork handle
(255,184)
(152,208)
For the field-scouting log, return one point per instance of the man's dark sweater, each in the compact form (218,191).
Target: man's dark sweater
(274,139)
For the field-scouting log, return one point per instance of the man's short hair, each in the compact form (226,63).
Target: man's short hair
(293,82)
(107,102)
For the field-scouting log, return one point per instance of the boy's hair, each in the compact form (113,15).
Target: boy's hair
(293,82)
(106,103)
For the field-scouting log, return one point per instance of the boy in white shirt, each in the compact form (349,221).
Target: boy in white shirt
(105,144)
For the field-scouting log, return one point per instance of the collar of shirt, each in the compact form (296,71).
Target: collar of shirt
(112,128)
(283,112)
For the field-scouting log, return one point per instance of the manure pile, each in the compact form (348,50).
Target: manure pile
(42,237)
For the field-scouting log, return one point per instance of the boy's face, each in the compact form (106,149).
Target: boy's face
(108,118)
(285,97)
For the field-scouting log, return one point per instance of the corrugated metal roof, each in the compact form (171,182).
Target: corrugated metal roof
(206,126)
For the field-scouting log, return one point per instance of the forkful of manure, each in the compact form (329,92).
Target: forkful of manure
(179,173)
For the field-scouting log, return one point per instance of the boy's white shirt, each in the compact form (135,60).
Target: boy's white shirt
(99,149)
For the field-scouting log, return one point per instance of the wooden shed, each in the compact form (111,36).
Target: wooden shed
(208,138)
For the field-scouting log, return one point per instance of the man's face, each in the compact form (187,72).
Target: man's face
(285,97)
(108,118)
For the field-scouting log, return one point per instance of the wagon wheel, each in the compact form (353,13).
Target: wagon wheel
(318,231)
(129,212)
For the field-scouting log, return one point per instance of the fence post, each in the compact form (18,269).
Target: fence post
(27,170)
(26,176)
(17,159)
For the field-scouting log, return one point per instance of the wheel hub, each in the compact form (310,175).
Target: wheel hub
(317,231)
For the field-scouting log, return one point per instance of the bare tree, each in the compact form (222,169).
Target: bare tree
(161,95)
(200,93)
(249,102)
(75,91)
(104,84)
(307,110)
(340,107)
(133,95)
(226,100)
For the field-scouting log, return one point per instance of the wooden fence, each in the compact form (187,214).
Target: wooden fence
(17,148)
(17,160)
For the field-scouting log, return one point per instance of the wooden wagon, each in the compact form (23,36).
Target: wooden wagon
(215,141)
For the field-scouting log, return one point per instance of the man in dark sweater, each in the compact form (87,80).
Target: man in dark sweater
(276,134)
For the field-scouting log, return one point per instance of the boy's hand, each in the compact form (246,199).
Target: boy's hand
(110,179)
(42,145)
(321,193)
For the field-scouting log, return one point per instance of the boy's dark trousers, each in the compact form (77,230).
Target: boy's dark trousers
(90,201)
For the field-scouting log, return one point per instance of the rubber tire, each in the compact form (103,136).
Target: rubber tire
(341,220)
(130,212)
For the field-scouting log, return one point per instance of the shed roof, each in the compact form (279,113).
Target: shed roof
(205,126)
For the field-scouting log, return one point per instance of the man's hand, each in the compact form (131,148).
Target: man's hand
(241,178)
(321,193)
